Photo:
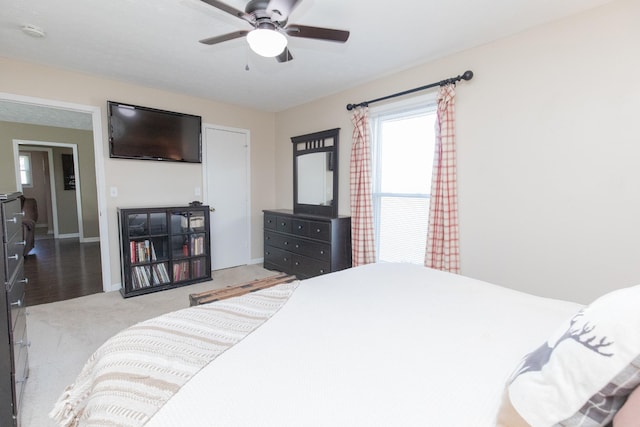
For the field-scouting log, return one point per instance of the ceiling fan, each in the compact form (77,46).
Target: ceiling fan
(269,21)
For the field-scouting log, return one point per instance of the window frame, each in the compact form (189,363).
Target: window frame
(28,171)
(425,104)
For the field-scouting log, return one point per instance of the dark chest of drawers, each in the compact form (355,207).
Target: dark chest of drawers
(306,245)
(14,366)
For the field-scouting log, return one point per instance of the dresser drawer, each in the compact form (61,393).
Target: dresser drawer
(12,219)
(314,229)
(270,222)
(21,374)
(277,259)
(297,245)
(304,267)
(15,297)
(283,224)
(20,343)
(14,255)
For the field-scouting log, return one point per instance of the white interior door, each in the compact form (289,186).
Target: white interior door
(226,164)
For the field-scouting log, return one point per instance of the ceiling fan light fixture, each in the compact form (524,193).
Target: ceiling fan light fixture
(266,42)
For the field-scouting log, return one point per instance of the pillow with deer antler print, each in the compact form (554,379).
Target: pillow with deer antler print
(583,374)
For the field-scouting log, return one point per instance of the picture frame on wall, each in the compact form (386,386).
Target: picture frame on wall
(68,172)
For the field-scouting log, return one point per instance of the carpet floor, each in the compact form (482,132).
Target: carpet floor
(64,334)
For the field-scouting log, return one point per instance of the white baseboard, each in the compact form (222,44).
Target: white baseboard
(68,236)
(256,261)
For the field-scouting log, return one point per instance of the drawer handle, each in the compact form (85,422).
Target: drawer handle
(13,220)
(25,280)
(24,243)
(286,243)
(297,263)
(322,270)
(17,303)
(321,252)
(317,230)
(285,258)
(16,257)
(268,238)
(267,252)
(283,224)
(299,227)
(297,246)
(22,214)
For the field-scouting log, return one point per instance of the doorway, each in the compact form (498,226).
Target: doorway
(54,199)
(58,109)
(227,191)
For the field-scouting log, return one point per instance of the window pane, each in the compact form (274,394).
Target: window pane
(403,229)
(25,169)
(406,153)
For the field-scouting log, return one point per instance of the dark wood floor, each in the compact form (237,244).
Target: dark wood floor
(60,269)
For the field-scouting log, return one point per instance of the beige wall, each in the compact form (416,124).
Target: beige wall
(146,183)
(549,152)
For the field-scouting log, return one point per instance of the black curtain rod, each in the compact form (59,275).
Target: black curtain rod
(467,75)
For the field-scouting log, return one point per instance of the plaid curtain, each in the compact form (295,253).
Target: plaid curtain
(442,237)
(362,246)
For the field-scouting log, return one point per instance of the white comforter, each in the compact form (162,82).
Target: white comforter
(379,345)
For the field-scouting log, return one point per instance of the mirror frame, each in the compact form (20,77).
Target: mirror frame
(316,143)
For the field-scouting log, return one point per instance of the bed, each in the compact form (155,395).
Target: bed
(377,345)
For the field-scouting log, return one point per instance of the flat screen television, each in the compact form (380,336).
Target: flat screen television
(149,134)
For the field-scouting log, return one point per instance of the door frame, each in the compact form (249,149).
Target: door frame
(52,181)
(98,155)
(205,184)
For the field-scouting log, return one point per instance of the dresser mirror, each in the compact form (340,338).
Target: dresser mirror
(315,173)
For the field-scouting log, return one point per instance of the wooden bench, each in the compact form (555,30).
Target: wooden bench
(241,289)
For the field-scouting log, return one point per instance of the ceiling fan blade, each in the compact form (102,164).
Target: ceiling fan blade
(229,9)
(285,56)
(281,8)
(224,37)
(317,33)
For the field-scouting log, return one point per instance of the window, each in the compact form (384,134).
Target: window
(403,144)
(26,177)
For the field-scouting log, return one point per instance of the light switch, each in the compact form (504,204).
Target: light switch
(196,191)
(114,191)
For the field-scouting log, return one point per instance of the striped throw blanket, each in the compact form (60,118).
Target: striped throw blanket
(132,375)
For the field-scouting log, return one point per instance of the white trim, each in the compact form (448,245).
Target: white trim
(96,115)
(68,236)
(54,206)
(422,101)
(205,188)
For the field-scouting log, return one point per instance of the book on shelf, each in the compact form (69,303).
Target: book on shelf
(197,267)
(181,271)
(197,244)
(160,274)
(140,278)
(142,251)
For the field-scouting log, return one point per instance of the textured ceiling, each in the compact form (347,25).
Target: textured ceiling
(155,42)
(39,115)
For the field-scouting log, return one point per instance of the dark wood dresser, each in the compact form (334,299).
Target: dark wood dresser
(14,366)
(306,245)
